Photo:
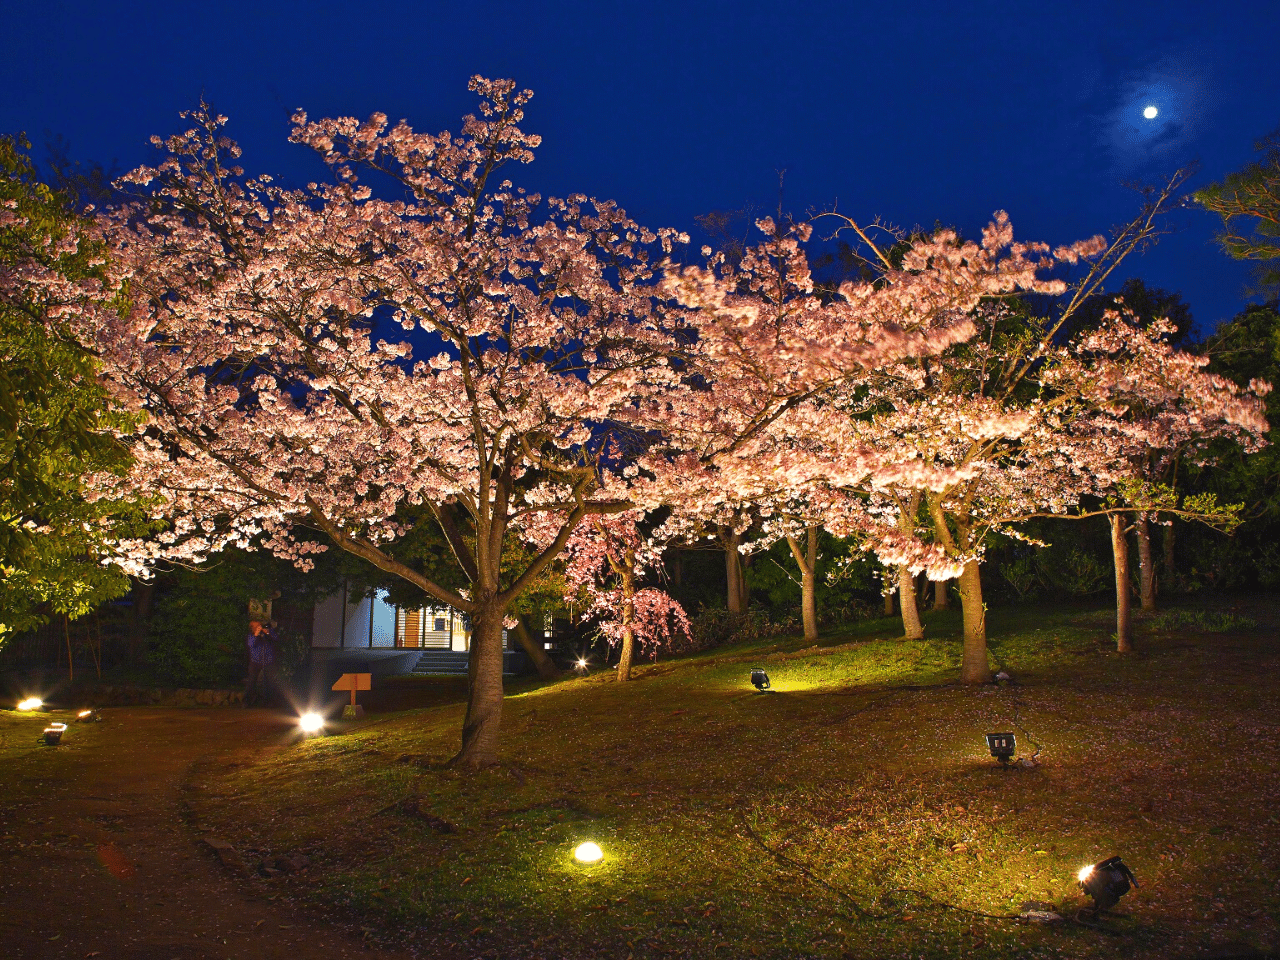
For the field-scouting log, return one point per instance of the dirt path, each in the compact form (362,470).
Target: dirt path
(98,857)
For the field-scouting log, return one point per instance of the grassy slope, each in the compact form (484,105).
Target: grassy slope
(801,822)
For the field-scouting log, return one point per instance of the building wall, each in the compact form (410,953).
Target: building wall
(430,628)
(345,622)
(326,622)
(384,621)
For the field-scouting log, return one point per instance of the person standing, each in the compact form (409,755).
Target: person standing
(262,661)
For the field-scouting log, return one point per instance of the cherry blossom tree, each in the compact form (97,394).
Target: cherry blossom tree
(1144,403)
(312,360)
(999,411)
(843,392)
(979,426)
(332,359)
(1083,421)
(606,558)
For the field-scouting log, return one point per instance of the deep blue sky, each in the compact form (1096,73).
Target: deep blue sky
(911,112)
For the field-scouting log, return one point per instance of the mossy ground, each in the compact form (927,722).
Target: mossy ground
(854,811)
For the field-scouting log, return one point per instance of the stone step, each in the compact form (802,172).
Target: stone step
(452,663)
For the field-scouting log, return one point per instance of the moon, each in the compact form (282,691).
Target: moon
(1150,113)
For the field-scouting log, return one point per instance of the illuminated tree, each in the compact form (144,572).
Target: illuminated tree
(944,412)
(56,423)
(328,360)
(1142,403)
(312,360)
(605,560)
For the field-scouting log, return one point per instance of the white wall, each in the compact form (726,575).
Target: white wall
(357,634)
(384,621)
(326,622)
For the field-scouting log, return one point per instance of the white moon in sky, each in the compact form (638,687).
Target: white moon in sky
(1150,113)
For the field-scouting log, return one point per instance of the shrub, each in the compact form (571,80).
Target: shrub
(1076,572)
(851,611)
(715,626)
(1205,621)
(1022,575)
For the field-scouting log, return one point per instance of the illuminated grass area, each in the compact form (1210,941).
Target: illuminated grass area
(846,814)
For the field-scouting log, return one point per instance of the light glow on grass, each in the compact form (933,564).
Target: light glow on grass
(900,794)
(31,703)
(588,852)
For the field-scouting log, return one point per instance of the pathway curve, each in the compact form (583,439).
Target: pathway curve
(98,857)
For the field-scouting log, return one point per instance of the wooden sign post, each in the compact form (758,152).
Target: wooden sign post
(353,682)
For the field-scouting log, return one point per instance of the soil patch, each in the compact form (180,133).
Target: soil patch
(99,856)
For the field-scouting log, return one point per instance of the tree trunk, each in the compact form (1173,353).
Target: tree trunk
(95,645)
(143,593)
(1167,543)
(1120,553)
(807,561)
(71,670)
(628,622)
(912,628)
(907,602)
(1146,565)
(484,691)
(535,651)
(973,666)
(888,602)
(940,590)
(734,575)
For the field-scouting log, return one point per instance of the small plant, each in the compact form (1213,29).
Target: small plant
(1204,621)
(1268,566)
(1023,576)
(1077,572)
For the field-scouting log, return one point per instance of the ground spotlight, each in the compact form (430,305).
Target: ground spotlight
(1106,882)
(588,852)
(311,722)
(53,733)
(1002,746)
(31,703)
(88,716)
(759,679)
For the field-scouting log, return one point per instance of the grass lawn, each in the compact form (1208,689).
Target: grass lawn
(852,812)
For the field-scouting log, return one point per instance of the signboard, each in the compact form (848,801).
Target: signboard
(353,682)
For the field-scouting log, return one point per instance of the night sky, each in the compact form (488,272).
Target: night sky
(914,113)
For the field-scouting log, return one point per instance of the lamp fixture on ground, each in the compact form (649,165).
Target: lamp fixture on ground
(311,722)
(1106,882)
(588,852)
(31,703)
(88,716)
(760,679)
(1003,746)
(53,733)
